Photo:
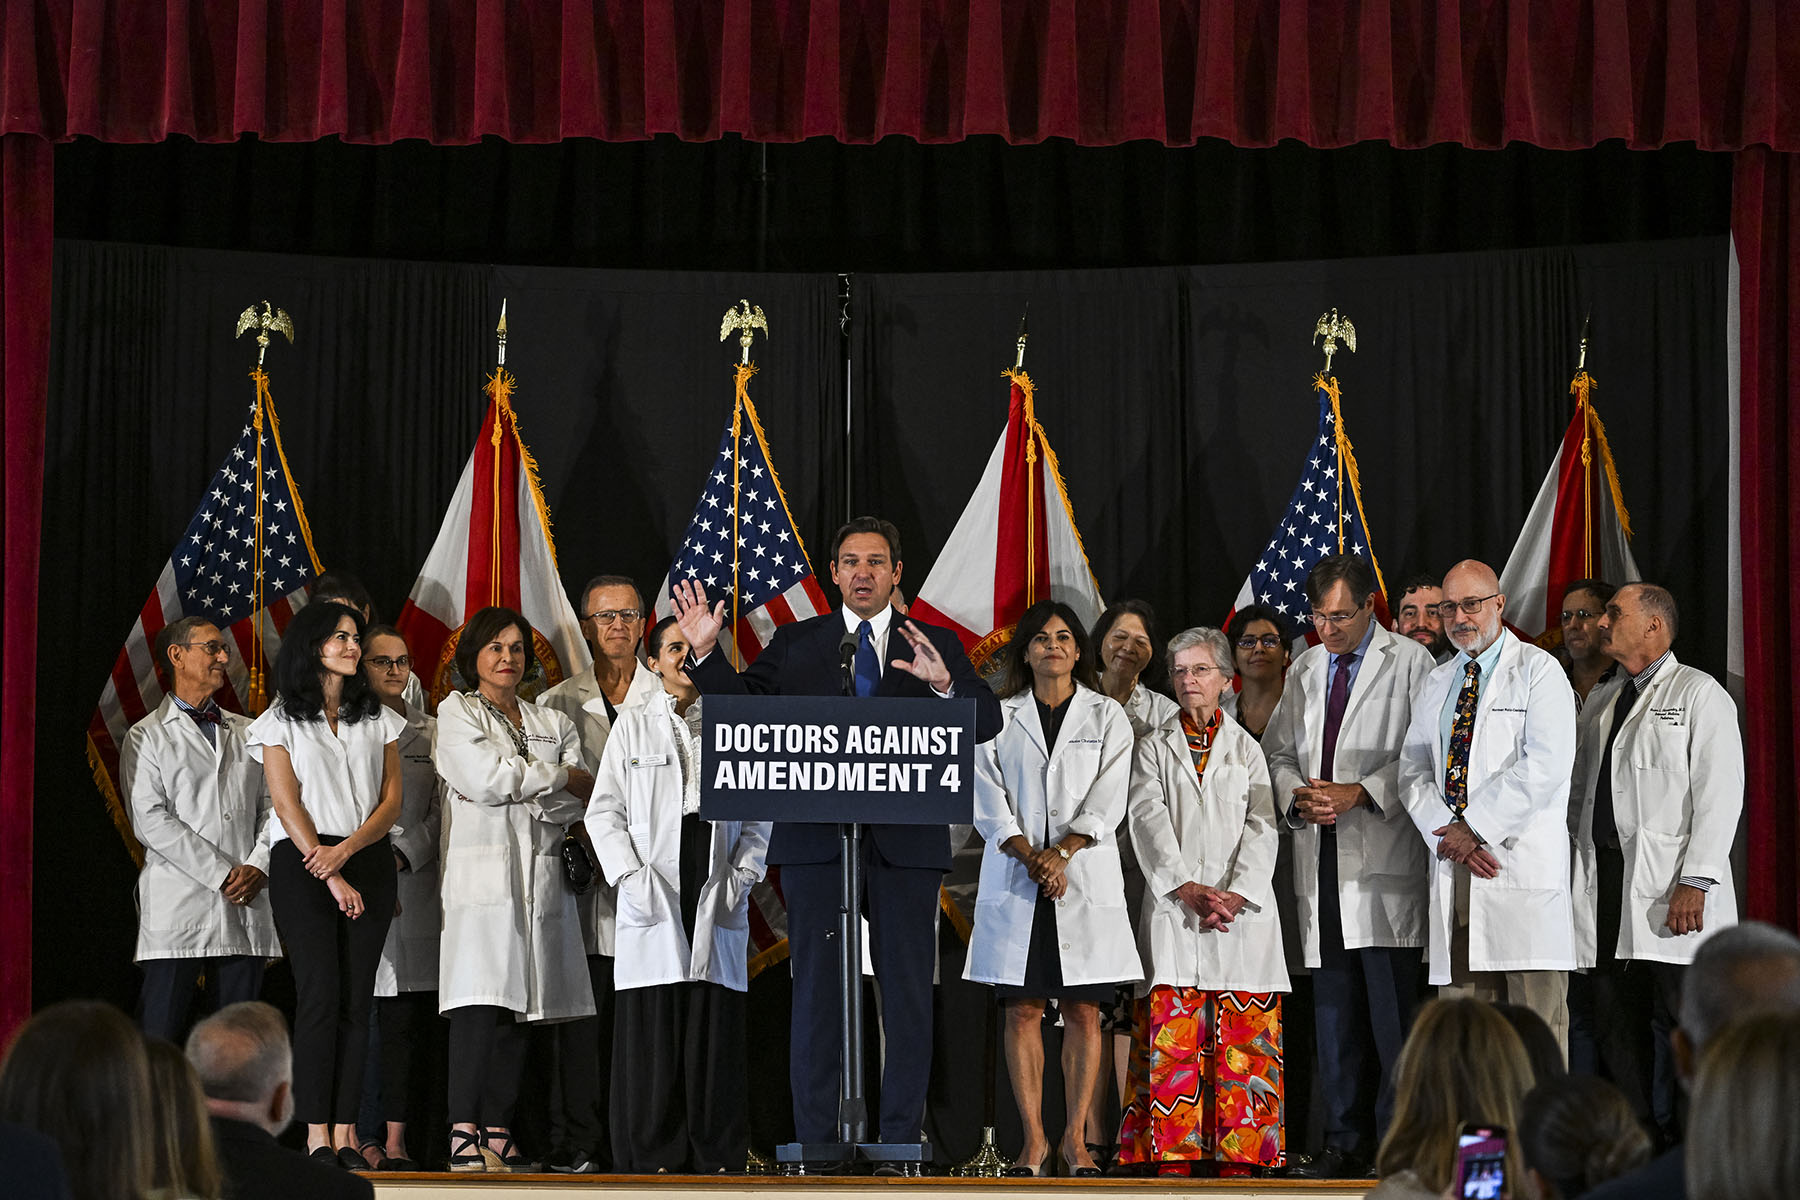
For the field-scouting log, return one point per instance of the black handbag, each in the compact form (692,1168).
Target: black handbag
(578,864)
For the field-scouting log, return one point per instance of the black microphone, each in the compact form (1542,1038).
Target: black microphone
(847,661)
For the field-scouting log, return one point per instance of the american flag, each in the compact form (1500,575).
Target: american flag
(215,571)
(1326,501)
(747,546)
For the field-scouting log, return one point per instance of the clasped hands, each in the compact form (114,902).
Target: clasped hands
(1322,802)
(243,884)
(1216,908)
(325,862)
(701,625)
(1458,843)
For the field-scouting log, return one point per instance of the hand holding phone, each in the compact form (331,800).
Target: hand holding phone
(1481,1163)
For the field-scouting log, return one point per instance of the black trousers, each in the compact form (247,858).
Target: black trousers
(333,960)
(680,1084)
(410,1037)
(169,989)
(583,1052)
(487,1060)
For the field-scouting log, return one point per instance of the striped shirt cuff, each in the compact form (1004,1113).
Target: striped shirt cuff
(1697,881)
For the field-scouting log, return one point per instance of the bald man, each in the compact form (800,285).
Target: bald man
(1484,773)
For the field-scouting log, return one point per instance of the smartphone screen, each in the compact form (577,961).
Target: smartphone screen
(1481,1162)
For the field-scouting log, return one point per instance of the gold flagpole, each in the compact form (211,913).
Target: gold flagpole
(271,318)
(746,318)
(1580,387)
(1331,327)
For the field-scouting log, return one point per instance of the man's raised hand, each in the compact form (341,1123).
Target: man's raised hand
(700,625)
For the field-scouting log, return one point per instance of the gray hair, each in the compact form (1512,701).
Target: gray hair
(242,1052)
(1207,637)
(1723,982)
(1661,603)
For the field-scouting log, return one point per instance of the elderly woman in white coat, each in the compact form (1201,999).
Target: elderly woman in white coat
(1050,915)
(1206,1065)
(511,952)
(680,1091)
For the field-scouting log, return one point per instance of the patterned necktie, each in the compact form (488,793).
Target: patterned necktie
(868,668)
(1336,701)
(1462,731)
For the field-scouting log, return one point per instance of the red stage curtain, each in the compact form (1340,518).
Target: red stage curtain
(1557,74)
(1765,224)
(25,236)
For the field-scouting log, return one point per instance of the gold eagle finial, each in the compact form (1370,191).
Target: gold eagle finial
(745,318)
(1332,327)
(270,318)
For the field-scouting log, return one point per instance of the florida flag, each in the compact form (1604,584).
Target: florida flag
(493,548)
(1015,543)
(1323,516)
(1577,529)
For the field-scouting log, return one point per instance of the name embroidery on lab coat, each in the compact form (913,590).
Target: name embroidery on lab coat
(1675,718)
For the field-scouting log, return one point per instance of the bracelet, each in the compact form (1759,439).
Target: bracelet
(1064,851)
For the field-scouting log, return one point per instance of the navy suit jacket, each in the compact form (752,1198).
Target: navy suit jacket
(802,660)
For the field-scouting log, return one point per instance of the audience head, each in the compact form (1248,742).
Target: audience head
(1461,1063)
(612,616)
(1200,670)
(323,640)
(1583,604)
(1472,606)
(1049,641)
(77,1073)
(1259,648)
(1749,968)
(341,587)
(245,1064)
(1577,1132)
(1639,625)
(1417,617)
(1125,639)
(1540,1044)
(1341,590)
(187,1165)
(1740,1135)
(192,657)
(865,564)
(496,649)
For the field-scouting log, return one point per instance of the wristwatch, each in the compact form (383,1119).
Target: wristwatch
(1064,851)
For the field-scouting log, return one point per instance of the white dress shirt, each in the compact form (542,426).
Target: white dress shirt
(339,773)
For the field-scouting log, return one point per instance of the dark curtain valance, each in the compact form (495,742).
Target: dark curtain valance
(1098,72)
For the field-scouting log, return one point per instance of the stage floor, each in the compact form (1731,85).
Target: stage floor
(760,1187)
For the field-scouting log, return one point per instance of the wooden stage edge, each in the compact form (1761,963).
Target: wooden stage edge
(408,1186)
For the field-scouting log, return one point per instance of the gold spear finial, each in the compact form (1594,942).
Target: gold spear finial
(1581,361)
(745,318)
(1019,358)
(270,318)
(1332,327)
(501,332)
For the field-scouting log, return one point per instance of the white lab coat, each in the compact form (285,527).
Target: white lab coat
(409,958)
(199,810)
(1220,833)
(1522,751)
(1382,867)
(1148,710)
(511,935)
(634,820)
(1080,787)
(1677,793)
(578,698)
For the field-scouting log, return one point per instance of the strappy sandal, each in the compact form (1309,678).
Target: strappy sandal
(507,1159)
(466,1151)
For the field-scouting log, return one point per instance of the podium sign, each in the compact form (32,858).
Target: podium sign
(831,759)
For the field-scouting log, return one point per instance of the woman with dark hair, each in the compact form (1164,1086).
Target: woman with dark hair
(511,953)
(187,1163)
(680,1085)
(1577,1132)
(77,1073)
(331,756)
(1260,657)
(1050,919)
(1124,638)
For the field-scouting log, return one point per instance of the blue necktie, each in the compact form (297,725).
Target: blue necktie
(868,668)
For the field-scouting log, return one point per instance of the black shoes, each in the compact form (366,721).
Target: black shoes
(1330,1163)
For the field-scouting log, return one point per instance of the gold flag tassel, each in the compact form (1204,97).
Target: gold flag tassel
(1348,472)
(740,398)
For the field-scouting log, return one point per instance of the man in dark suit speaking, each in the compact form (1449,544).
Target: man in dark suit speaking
(903,865)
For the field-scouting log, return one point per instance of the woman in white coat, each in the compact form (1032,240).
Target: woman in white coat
(680,1087)
(407,979)
(511,952)
(1050,916)
(1206,1066)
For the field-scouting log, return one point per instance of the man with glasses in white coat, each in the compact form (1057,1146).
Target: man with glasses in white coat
(1485,774)
(1333,747)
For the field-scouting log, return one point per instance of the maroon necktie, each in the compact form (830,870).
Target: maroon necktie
(1335,703)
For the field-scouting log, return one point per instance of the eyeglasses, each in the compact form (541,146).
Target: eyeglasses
(607,616)
(1198,672)
(1268,641)
(384,663)
(1337,618)
(1471,606)
(210,649)
(1579,614)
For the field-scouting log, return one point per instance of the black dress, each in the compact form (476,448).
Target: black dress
(1043,960)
